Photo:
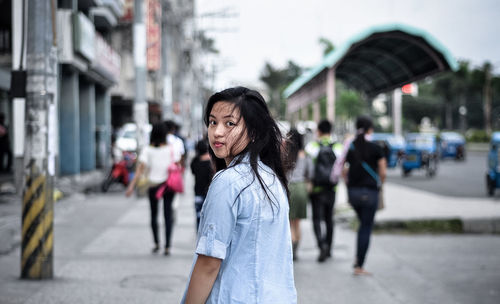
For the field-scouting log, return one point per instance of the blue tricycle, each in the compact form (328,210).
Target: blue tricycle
(493,174)
(421,153)
(452,145)
(393,146)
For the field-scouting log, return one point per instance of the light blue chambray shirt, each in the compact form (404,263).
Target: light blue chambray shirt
(252,237)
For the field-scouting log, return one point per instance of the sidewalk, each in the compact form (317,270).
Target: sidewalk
(69,188)
(102,255)
(403,206)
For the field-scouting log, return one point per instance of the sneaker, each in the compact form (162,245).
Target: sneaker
(155,249)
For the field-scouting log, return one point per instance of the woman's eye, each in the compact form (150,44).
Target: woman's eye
(230,124)
(212,122)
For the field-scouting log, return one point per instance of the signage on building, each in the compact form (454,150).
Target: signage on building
(410,89)
(108,62)
(153,28)
(84,36)
(128,14)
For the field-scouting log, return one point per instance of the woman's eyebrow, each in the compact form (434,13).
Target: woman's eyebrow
(227,116)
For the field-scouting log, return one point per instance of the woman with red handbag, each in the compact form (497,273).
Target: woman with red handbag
(155,161)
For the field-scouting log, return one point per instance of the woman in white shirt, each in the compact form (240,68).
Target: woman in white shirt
(154,161)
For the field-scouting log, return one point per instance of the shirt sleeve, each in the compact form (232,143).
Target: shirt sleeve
(379,152)
(218,217)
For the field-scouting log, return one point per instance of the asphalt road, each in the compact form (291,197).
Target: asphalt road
(454,178)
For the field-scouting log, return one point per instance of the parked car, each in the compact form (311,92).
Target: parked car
(126,138)
(393,146)
(421,152)
(493,173)
(452,145)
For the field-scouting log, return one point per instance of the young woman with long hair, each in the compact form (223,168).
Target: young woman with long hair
(366,173)
(154,161)
(243,252)
(298,178)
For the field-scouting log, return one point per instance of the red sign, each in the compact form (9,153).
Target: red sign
(153,28)
(407,88)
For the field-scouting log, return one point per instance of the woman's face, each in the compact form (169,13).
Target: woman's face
(227,132)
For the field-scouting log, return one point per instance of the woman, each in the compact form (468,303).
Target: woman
(298,184)
(243,253)
(366,173)
(154,161)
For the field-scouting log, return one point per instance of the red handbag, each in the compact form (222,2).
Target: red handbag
(174,180)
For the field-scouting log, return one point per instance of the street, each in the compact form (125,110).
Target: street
(102,255)
(453,178)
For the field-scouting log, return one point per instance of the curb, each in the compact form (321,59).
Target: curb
(440,225)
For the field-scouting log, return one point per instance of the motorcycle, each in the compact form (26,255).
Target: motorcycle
(122,171)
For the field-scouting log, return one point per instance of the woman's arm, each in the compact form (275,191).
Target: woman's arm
(138,173)
(202,279)
(382,169)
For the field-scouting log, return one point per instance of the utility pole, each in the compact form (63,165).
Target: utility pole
(140,105)
(397,111)
(39,167)
(165,69)
(487,97)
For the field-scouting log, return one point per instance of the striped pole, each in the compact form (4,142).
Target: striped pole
(39,149)
(37,228)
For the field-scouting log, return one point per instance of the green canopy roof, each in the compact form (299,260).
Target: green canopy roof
(382,58)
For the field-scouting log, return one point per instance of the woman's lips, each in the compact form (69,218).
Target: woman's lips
(218,144)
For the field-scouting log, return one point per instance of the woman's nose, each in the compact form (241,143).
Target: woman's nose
(219,130)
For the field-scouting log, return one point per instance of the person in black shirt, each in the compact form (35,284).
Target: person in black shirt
(366,173)
(203,171)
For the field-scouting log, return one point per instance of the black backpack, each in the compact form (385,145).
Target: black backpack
(324,166)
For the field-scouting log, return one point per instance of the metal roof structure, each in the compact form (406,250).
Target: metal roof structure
(380,59)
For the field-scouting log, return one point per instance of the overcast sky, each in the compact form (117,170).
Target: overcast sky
(280,30)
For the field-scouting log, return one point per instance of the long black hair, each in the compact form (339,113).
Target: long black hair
(262,130)
(158,135)
(363,125)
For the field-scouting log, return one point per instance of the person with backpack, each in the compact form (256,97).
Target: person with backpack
(322,152)
(364,178)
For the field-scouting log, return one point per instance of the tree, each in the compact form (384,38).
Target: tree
(276,81)
(350,104)
(327,45)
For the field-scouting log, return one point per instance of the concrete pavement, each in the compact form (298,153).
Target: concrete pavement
(103,242)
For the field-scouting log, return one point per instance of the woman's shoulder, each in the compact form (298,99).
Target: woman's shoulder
(234,173)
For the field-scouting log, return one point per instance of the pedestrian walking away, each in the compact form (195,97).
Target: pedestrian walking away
(203,171)
(154,161)
(364,178)
(5,151)
(322,152)
(299,183)
(243,252)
